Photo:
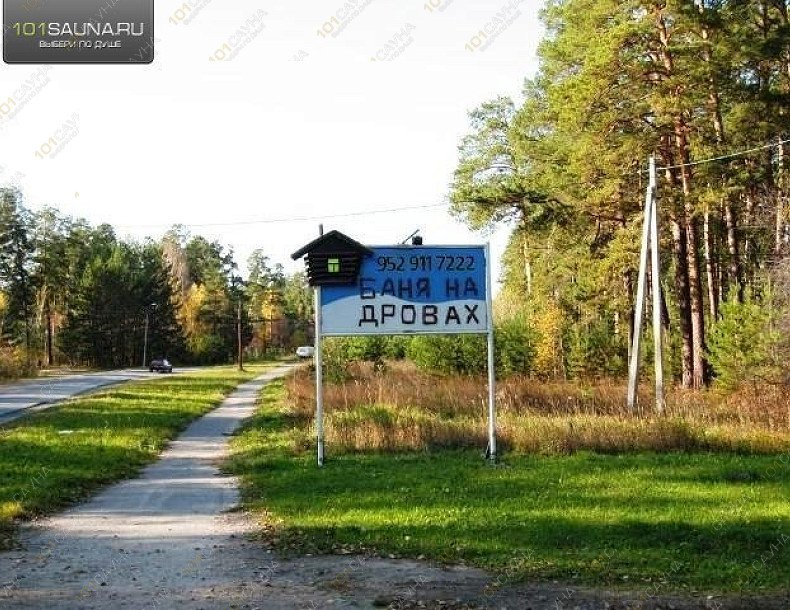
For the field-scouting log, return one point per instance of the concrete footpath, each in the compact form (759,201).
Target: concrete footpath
(140,542)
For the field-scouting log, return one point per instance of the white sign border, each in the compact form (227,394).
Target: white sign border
(491,451)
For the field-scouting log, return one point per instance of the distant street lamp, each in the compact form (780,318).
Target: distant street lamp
(145,339)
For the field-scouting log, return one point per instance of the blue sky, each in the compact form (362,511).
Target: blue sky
(268,111)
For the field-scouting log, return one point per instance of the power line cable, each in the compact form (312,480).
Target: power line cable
(726,157)
(290,219)
(733,155)
(364,213)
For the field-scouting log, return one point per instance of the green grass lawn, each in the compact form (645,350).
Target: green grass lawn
(53,458)
(707,522)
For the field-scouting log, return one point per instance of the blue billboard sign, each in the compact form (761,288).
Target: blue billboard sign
(412,290)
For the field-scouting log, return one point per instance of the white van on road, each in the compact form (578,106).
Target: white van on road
(305,351)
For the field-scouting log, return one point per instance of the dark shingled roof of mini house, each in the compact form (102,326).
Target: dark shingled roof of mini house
(333,259)
(332,242)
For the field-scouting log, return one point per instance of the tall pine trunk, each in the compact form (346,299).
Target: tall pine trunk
(748,220)
(780,201)
(710,268)
(696,302)
(684,302)
(735,270)
(677,222)
(684,235)
(714,109)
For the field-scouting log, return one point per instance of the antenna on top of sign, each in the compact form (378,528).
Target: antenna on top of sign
(411,238)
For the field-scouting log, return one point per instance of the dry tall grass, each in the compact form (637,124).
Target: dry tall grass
(404,409)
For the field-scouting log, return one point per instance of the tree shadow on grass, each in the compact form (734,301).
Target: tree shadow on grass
(588,517)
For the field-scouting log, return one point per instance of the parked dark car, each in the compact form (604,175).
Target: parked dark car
(161,365)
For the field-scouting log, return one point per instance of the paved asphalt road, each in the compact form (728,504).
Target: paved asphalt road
(16,398)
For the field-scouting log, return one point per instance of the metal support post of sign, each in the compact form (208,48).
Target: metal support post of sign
(491,363)
(319,379)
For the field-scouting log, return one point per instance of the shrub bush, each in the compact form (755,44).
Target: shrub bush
(597,351)
(338,353)
(459,354)
(466,354)
(742,345)
(515,350)
(14,364)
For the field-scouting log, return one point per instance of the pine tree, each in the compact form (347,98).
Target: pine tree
(619,81)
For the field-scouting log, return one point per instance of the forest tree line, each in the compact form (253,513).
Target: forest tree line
(704,86)
(76,294)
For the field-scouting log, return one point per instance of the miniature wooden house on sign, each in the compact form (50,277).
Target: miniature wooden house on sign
(333,259)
